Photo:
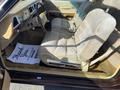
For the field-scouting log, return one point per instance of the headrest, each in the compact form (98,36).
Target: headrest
(97,17)
(112,3)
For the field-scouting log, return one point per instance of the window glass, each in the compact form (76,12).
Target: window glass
(5,6)
(2,3)
(80,6)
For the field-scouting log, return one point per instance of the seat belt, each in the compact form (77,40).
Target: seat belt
(106,54)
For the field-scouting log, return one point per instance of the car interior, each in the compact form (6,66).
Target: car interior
(76,38)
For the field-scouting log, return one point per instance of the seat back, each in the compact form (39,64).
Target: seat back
(93,32)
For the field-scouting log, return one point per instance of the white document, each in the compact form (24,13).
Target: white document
(26,54)
(18,86)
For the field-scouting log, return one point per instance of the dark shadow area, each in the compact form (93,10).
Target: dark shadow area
(115,13)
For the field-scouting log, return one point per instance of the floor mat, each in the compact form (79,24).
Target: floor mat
(25,54)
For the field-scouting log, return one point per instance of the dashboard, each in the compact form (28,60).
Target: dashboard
(22,17)
(27,13)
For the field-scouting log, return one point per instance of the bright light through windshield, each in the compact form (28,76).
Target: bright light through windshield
(2,3)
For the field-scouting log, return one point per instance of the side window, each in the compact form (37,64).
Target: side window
(80,6)
(58,4)
(67,6)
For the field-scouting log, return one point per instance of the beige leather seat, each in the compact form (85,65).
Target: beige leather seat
(62,49)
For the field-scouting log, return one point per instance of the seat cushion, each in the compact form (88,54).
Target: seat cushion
(58,46)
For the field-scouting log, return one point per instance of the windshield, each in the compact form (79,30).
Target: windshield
(2,3)
(5,6)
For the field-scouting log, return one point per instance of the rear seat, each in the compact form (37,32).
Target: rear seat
(70,25)
(73,24)
(63,49)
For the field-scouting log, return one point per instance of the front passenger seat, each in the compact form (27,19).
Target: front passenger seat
(62,50)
